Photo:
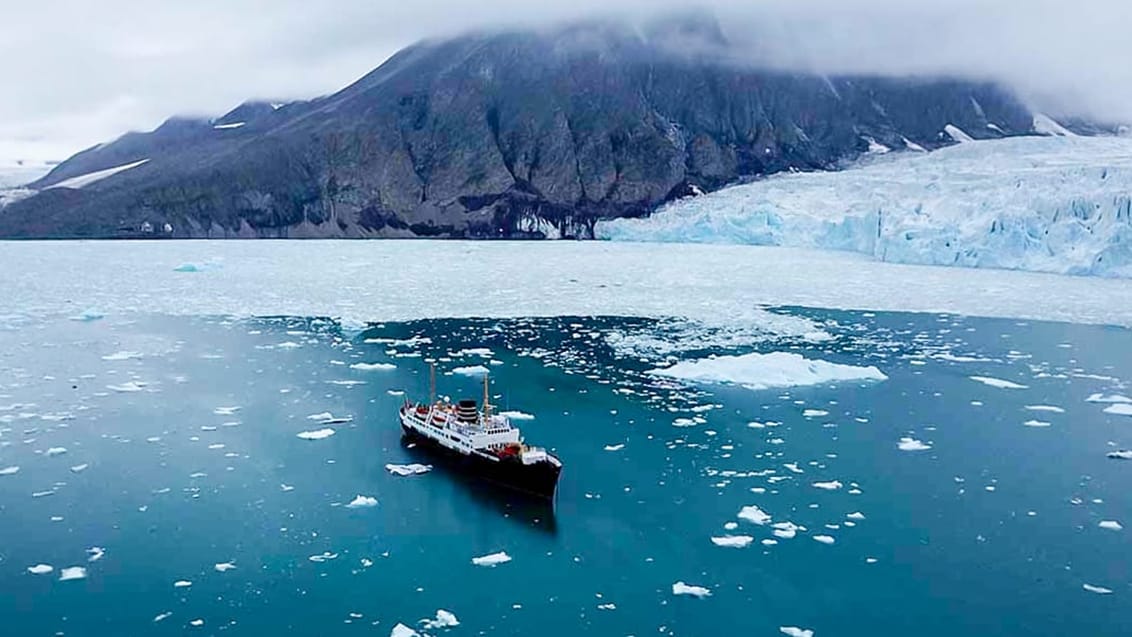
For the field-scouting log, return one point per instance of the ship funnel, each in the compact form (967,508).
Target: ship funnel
(466,411)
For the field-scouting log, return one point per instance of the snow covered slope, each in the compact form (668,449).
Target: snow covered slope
(1048,204)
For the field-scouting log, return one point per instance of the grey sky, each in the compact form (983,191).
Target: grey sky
(76,72)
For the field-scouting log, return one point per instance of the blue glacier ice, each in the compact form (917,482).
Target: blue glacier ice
(1059,204)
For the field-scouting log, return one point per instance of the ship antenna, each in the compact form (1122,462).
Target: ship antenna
(486,397)
(432,383)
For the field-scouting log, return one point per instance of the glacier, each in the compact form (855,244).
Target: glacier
(1060,204)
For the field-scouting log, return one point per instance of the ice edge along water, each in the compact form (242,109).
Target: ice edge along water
(1058,204)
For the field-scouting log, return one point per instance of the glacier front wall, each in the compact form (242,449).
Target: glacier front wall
(1048,204)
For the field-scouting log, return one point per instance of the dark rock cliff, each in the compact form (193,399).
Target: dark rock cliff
(517,134)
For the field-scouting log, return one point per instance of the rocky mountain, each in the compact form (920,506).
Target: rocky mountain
(517,134)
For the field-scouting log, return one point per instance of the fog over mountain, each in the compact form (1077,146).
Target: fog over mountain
(78,73)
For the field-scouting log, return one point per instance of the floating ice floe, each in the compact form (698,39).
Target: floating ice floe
(1110,398)
(765,371)
(785,530)
(286,487)
(72,573)
(1099,590)
(79,468)
(224,567)
(225,411)
(9,471)
(373,367)
(733,541)
(41,569)
(856,515)
(122,356)
(328,418)
(55,451)
(160,617)
(401,630)
(754,514)
(824,539)
(317,434)
(1036,423)
(325,556)
(444,619)
(911,444)
(617,447)
(517,415)
(680,588)
(997,382)
(1111,525)
(607,606)
(493,559)
(197,623)
(1119,409)
(95,553)
(1122,454)
(408,469)
(1049,408)
(814,413)
(362,502)
(794,631)
(127,387)
(182,583)
(832,485)
(471,370)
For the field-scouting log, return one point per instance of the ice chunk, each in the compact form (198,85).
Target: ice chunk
(444,619)
(130,386)
(197,623)
(182,583)
(95,553)
(680,588)
(41,569)
(122,356)
(401,630)
(325,556)
(1122,454)
(764,371)
(224,567)
(754,514)
(824,539)
(362,502)
(408,469)
(225,411)
(832,485)
(856,515)
(160,617)
(471,370)
(733,541)
(9,471)
(317,434)
(911,444)
(1036,423)
(1049,408)
(373,367)
(1111,525)
(794,631)
(517,415)
(1099,590)
(1110,398)
(997,382)
(1119,409)
(814,413)
(72,573)
(79,468)
(55,451)
(493,559)
(328,418)
(617,447)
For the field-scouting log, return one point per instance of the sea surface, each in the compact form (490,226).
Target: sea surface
(161,454)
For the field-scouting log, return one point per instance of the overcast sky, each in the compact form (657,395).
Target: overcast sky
(76,72)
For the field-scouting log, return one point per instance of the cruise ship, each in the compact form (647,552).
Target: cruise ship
(481,443)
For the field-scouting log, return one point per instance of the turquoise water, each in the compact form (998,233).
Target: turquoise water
(937,553)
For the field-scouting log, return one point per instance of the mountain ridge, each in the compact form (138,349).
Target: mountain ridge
(515,134)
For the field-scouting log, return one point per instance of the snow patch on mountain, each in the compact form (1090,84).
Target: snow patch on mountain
(98,175)
(1049,204)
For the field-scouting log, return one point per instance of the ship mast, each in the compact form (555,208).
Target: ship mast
(486,403)
(432,383)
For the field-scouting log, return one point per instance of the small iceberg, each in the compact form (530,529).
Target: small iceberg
(733,541)
(1099,590)
(997,382)
(680,588)
(1111,525)
(794,631)
(317,434)
(362,502)
(224,567)
(408,469)
(754,515)
(911,444)
(765,371)
(9,471)
(824,539)
(1119,409)
(493,559)
(832,485)
(373,367)
(401,630)
(328,418)
(1123,454)
(517,415)
(471,370)
(41,569)
(444,619)
(131,386)
(72,573)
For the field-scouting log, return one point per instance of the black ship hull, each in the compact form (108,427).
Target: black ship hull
(538,480)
